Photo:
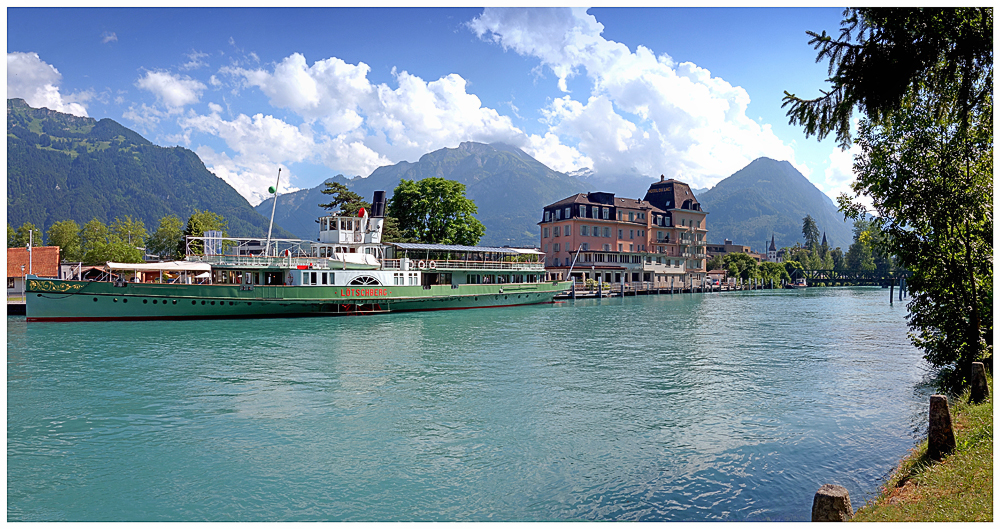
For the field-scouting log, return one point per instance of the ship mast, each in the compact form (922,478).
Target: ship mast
(274,190)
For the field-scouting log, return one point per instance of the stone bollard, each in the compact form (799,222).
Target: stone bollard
(940,436)
(980,390)
(832,503)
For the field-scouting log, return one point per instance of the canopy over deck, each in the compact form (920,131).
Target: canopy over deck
(413,246)
(169,266)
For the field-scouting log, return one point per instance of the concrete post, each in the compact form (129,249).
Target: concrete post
(832,503)
(980,390)
(940,435)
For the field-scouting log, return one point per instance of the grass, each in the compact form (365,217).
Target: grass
(957,489)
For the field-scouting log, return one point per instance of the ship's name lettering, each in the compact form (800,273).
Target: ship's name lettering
(355,292)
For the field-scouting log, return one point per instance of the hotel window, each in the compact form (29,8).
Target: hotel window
(567,213)
(620,234)
(545,233)
(583,210)
(556,230)
(631,216)
(607,232)
(583,230)
(619,247)
(556,247)
(631,248)
(604,211)
(619,214)
(586,246)
(631,234)
(594,211)
(606,248)
(548,216)
(558,214)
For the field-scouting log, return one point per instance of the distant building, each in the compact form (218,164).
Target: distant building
(659,239)
(728,247)
(42,261)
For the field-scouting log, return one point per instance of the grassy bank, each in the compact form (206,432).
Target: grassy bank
(956,489)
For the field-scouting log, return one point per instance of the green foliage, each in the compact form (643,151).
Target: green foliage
(741,265)
(66,235)
(11,236)
(198,223)
(392,233)
(717,262)
(120,243)
(882,53)
(924,80)
(63,167)
(26,233)
(810,232)
(344,201)
(435,210)
(931,182)
(773,272)
(168,239)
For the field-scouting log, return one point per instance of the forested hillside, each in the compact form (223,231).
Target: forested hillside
(64,167)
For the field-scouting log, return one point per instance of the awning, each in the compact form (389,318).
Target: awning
(413,246)
(168,266)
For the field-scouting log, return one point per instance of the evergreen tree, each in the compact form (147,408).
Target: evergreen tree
(344,201)
(25,234)
(198,223)
(810,232)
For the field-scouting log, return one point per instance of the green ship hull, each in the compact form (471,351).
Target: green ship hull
(60,300)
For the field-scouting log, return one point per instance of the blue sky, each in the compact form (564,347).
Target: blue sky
(691,93)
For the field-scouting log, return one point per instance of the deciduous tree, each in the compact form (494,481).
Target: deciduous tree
(66,235)
(198,223)
(435,210)
(923,79)
(168,237)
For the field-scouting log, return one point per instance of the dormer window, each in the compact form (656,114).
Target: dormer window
(558,214)
(548,216)
(567,213)
(583,211)
(605,213)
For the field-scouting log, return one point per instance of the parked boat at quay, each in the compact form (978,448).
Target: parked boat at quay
(347,271)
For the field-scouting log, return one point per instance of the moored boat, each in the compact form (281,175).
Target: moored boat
(346,271)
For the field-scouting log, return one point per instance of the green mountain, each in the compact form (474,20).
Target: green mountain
(64,167)
(770,197)
(509,187)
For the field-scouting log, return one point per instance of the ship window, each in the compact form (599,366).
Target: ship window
(323,278)
(364,281)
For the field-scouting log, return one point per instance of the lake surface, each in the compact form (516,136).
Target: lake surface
(726,407)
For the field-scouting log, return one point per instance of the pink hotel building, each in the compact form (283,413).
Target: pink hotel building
(659,240)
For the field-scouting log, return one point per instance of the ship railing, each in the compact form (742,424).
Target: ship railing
(258,261)
(431,265)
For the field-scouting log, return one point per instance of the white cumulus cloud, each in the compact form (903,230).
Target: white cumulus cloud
(174,91)
(645,113)
(37,82)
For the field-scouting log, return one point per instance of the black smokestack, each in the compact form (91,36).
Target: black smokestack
(378,204)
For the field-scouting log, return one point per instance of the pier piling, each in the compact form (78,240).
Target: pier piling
(940,435)
(980,390)
(832,503)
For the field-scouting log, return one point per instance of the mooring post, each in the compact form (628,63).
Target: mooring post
(900,289)
(980,390)
(940,435)
(891,284)
(832,503)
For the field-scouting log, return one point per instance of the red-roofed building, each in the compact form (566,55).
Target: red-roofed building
(43,262)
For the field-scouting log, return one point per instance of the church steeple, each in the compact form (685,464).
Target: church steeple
(774,249)
(824,239)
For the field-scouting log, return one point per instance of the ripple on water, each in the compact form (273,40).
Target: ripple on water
(684,407)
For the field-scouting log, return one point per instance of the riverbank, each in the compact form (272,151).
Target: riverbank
(957,489)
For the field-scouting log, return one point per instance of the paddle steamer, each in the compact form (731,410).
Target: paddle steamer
(346,271)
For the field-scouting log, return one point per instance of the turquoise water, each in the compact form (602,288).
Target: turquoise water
(734,406)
